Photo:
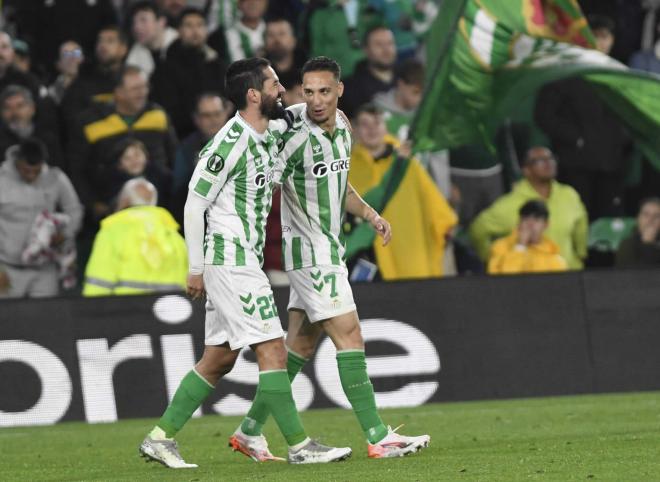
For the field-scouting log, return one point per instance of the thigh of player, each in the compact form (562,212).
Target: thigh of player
(240,307)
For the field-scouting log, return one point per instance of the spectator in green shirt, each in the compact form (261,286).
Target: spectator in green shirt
(568,217)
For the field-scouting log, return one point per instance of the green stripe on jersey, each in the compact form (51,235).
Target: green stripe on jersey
(203,187)
(240,252)
(296,252)
(218,249)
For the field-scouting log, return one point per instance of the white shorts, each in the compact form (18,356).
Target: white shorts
(240,308)
(321,291)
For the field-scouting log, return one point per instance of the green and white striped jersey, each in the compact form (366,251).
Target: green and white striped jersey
(314,184)
(235,173)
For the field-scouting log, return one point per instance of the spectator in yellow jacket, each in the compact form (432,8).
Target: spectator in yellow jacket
(138,249)
(527,249)
(568,222)
(420,216)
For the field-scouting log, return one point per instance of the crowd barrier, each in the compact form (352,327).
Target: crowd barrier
(468,338)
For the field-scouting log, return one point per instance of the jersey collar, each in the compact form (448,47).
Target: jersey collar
(259,137)
(316,129)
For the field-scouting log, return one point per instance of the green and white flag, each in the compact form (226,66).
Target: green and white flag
(485,56)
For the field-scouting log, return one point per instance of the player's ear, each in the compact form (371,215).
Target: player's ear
(253,95)
(340,89)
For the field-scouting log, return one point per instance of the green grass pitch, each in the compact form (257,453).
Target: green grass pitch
(603,437)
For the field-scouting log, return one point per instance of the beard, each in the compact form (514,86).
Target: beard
(277,54)
(20,129)
(272,108)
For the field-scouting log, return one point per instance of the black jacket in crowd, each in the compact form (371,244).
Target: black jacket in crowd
(585,134)
(361,88)
(186,73)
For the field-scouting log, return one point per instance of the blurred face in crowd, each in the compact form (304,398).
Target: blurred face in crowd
(110,49)
(147,28)
(28,172)
(71,56)
(604,40)
(17,113)
(533,228)
(22,62)
(133,160)
(410,95)
(252,9)
(321,92)
(193,31)
(6,51)
(381,49)
(211,115)
(271,95)
(279,40)
(540,165)
(131,95)
(293,95)
(648,218)
(370,130)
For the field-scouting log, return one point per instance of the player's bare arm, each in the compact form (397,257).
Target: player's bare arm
(356,206)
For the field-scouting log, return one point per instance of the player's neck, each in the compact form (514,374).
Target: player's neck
(256,120)
(329,126)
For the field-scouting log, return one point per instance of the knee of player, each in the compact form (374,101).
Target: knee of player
(214,367)
(351,339)
(303,346)
(305,351)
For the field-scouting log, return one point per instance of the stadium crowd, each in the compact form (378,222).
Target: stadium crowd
(105,105)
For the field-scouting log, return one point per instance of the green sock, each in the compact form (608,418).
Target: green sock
(352,366)
(275,392)
(192,392)
(254,421)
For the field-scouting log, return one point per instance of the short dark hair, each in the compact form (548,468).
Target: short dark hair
(14,89)
(124,71)
(411,71)
(322,64)
(371,30)
(189,11)
(279,19)
(32,151)
(125,143)
(649,200)
(527,158)
(534,209)
(208,94)
(368,108)
(145,6)
(601,22)
(114,28)
(242,76)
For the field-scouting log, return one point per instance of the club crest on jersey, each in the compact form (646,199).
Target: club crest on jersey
(321,169)
(316,148)
(215,163)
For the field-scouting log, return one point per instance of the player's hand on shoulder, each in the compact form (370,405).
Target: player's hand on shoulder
(195,286)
